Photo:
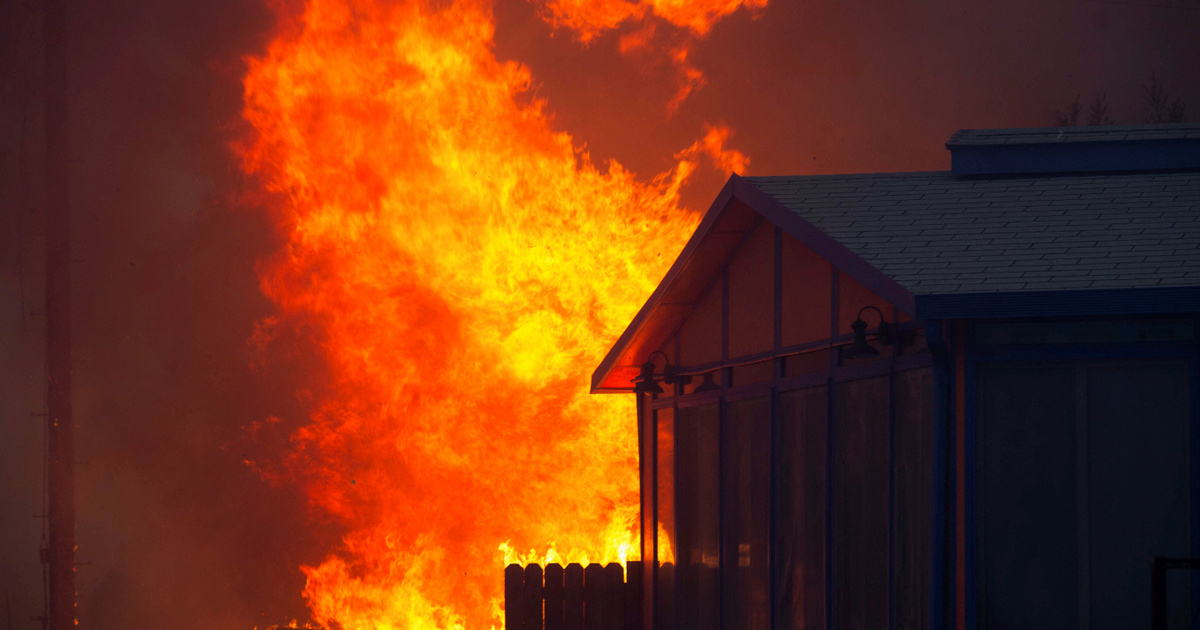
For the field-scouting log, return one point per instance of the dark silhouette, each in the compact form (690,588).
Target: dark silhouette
(1164,107)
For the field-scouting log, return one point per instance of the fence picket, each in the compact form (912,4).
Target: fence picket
(514,582)
(593,597)
(633,595)
(613,602)
(532,599)
(598,597)
(554,597)
(573,598)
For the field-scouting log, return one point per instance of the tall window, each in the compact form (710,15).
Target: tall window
(664,588)
(913,470)
(697,501)
(800,510)
(745,510)
(861,510)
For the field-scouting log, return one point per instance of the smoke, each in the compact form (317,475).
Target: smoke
(174,528)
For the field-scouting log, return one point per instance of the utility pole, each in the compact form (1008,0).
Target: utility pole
(60,432)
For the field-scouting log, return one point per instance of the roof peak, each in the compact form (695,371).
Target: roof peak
(1075,149)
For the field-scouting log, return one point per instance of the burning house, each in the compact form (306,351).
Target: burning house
(963,399)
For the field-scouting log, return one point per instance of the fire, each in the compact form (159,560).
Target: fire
(466,266)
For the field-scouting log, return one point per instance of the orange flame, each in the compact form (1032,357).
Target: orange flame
(589,18)
(467,267)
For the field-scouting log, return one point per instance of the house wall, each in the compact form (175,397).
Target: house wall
(798,493)
(1079,451)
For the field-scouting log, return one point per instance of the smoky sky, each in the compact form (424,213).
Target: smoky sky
(174,528)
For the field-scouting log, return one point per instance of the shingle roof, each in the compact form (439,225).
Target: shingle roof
(937,233)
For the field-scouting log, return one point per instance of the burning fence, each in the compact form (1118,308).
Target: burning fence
(465,266)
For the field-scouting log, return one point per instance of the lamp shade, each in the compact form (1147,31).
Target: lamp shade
(860,349)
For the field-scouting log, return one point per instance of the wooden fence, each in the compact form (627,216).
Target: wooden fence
(596,598)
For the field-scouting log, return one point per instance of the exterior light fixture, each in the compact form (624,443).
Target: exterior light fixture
(860,349)
(645,382)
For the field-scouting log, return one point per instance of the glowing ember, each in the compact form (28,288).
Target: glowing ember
(467,267)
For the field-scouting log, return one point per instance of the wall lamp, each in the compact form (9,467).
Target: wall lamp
(646,381)
(887,335)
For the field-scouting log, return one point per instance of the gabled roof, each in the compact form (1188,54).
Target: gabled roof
(947,245)
(731,217)
(937,233)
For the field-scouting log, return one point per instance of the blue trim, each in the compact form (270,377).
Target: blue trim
(970,489)
(1074,157)
(952,477)
(1086,302)
(937,526)
(1194,421)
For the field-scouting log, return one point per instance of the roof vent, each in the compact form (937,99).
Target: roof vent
(1075,149)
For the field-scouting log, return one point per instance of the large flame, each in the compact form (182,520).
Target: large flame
(466,267)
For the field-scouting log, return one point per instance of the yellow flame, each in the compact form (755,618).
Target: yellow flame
(464,268)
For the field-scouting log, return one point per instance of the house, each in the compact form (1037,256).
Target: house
(963,399)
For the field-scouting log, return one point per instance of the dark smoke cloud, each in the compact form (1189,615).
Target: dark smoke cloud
(176,529)
(859,85)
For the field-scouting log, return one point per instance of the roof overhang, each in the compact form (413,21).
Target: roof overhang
(736,211)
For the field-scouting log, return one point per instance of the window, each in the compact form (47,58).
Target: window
(696,524)
(800,510)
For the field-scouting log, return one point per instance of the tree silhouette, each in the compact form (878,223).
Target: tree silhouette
(1164,107)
